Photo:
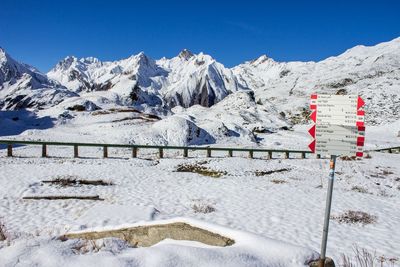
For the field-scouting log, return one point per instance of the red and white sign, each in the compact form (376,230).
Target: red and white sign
(338,125)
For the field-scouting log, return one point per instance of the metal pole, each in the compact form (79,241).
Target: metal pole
(327,210)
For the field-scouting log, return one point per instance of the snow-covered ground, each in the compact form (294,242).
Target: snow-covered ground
(287,206)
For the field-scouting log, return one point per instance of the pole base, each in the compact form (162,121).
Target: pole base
(321,263)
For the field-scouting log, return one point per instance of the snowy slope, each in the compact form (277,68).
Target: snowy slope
(373,72)
(22,86)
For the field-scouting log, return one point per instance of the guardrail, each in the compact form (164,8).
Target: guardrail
(395,149)
(135,148)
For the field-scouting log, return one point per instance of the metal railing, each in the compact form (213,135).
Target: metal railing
(395,149)
(185,149)
(135,148)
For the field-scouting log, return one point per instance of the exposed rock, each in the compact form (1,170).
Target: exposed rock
(85,106)
(145,236)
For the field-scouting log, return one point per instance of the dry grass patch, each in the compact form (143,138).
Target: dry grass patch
(278,181)
(355,217)
(263,173)
(69,180)
(63,197)
(359,189)
(202,170)
(364,258)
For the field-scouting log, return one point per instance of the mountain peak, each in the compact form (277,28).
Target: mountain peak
(185,54)
(260,60)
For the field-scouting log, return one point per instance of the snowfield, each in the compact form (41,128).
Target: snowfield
(287,206)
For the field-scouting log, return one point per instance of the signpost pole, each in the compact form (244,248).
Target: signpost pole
(327,210)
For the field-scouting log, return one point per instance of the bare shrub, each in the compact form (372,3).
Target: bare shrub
(353,217)
(203,208)
(364,258)
(197,168)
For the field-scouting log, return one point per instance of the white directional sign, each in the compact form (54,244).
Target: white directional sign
(339,125)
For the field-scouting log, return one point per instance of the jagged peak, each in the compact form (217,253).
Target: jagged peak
(70,58)
(185,54)
(89,60)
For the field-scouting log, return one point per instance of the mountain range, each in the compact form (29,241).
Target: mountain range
(157,86)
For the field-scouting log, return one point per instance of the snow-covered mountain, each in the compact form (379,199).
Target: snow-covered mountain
(372,72)
(22,86)
(197,79)
(184,80)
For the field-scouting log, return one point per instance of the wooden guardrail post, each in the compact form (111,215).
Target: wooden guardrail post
(303,155)
(208,153)
(44,150)
(105,151)
(286,154)
(185,152)
(9,150)
(251,154)
(160,153)
(269,155)
(134,152)
(230,153)
(76,151)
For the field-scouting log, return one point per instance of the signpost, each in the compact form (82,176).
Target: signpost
(338,130)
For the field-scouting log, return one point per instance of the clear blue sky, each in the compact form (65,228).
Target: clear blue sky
(41,33)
